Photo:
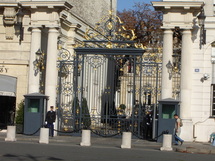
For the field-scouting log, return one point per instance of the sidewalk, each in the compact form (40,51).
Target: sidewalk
(115,142)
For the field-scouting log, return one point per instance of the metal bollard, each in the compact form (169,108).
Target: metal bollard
(85,139)
(44,135)
(167,143)
(11,133)
(126,140)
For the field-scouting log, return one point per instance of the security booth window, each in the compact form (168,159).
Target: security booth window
(34,105)
(168,111)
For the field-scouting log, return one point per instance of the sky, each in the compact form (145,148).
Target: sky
(127,4)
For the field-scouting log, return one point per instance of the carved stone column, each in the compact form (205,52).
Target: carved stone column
(51,67)
(186,74)
(186,85)
(167,56)
(33,83)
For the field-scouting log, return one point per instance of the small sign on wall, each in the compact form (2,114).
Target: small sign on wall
(197,70)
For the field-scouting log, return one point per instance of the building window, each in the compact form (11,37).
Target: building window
(34,105)
(213,100)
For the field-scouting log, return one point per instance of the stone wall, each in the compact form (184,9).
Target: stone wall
(91,10)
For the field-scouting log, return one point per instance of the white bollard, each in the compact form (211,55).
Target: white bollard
(44,135)
(126,140)
(11,133)
(167,143)
(85,139)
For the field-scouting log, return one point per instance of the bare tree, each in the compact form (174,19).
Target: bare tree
(144,21)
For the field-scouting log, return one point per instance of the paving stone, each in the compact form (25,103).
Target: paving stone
(212,151)
(197,150)
(181,149)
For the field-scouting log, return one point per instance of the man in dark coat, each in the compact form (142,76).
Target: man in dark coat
(50,120)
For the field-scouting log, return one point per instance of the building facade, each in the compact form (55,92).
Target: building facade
(29,54)
(197,63)
(44,25)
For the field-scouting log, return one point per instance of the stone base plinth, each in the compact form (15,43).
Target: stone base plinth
(11,133)
(167,143)
(44,135)
(86,138)
(126,140)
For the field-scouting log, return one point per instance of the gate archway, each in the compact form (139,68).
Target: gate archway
(110,85)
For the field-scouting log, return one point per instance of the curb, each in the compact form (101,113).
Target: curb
(193,150)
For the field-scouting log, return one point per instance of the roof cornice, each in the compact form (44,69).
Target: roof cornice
(48,4)
(8,4)
(38,4)
(179,4)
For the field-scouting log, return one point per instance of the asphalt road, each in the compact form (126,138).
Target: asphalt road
(21,151)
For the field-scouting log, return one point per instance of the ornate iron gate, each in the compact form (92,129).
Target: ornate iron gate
(109,86)
(108,93)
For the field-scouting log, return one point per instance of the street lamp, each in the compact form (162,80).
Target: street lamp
(176,62)
(201,20)
(39,63)
(169,69)
(19,20)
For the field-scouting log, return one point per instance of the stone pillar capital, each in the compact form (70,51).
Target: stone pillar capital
(186,31)
(35,29)
(168,31)
(53,29)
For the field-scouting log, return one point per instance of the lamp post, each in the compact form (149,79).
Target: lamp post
(176,62)
(39,63)
(19,17)
(39,67)
(201,20)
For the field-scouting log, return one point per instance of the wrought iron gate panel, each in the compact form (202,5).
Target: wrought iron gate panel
(99,83)
(65,91)
(110,86)
(108,94)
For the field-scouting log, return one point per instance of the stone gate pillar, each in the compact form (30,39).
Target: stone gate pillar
(33,82)
(186,84)
(167,56)
(51,67)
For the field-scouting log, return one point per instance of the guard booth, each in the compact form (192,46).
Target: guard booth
(34,112)
(166,122)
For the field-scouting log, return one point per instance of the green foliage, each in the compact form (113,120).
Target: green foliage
(81,112)
(85,114)
(20,113)
(75,106)
(122,106)
(76,111)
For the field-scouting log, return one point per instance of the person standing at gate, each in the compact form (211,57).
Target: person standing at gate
(177,132)
(50,120)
